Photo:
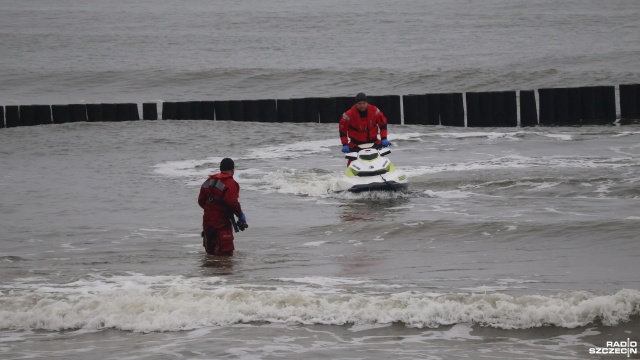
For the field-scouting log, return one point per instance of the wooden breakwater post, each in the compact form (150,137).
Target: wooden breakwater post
(60,114)
(127,112)
(12,115)
(528,108)
(598,105)
(415,109)
(42,114)
(390,107)
(629,103)
(285,110)
(25,115)
(150,111)
(94,113)
(591,105)
(223,110)
(492,109)
(78,112)
(327,112)
(451,109)
(208,110)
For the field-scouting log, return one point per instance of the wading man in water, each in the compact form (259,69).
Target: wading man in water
(219,199)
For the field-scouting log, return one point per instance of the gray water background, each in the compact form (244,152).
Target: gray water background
(532,229)
(70,51)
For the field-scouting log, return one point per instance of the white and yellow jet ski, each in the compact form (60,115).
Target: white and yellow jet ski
(370,170)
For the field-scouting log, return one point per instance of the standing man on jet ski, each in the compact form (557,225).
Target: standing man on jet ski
(219,199)
(360,125)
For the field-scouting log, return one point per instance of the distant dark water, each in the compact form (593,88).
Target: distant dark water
(91,51)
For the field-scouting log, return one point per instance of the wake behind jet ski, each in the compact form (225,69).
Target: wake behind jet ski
(371,170)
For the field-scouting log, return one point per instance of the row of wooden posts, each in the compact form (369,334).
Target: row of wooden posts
(594,105)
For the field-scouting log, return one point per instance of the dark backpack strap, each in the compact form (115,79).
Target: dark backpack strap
(217,184)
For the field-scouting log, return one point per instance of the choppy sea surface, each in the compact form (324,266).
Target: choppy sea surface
(70,51)
(511,243)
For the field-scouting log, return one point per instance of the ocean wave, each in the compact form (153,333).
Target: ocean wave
(157,304)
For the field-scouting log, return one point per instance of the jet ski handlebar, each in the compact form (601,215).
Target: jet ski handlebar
(354,154)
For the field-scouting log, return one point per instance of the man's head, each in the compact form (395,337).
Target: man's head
(227,165)
(361,101)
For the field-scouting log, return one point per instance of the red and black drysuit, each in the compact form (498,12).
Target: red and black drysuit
(361,127)
(219,199)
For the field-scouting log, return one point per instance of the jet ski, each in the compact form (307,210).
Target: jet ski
(370,170)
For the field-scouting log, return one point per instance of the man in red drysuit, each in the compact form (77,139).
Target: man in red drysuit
(360,125)
(219,199)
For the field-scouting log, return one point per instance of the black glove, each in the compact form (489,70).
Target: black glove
(242,225)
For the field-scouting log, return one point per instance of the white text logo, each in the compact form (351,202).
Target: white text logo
(617,348)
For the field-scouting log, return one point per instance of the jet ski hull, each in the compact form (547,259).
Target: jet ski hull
(371,183)
(386,186)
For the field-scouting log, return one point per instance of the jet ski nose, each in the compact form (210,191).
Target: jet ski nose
(370,155)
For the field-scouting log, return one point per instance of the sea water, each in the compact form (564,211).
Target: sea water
(511,242)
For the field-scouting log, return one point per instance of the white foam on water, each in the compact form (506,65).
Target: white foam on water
(460,331)
(373,195)
(186,235)
(293,181)
(196,168)
(291,150)
(317,182)
(68,246)
(413,224)
(562,137)
(604,188)
(517,281)
(626,133)
(172,303)
(401,207)
(407,136)
(632,180)
(365,327)
(324,281)
(523,162)
(492,135)
(451,194)
(541,186)
(314,243)
(13,337)
(554,210)
(187,168)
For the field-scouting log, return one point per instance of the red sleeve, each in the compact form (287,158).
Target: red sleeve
(382,123)
(202,197)
(231,197)
(343,127)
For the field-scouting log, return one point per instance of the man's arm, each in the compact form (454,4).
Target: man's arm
(382,123)
(343,127)
(231,198)
(202,198)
